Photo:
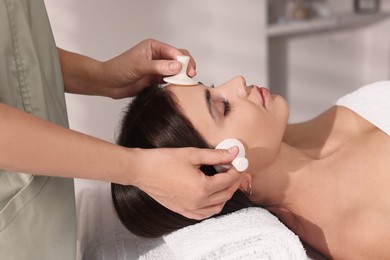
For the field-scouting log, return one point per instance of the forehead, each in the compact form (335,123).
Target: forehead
(192,102)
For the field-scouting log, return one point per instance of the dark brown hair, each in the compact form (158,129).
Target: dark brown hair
(153,120)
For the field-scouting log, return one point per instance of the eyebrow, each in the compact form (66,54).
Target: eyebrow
(207,96)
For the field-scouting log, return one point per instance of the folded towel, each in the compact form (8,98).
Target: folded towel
(153,249)
(372,102)
(251,233)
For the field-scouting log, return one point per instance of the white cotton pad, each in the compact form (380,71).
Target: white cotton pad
(181,78)
(240,162)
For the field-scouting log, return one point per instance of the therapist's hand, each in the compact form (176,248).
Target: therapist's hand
(172,177)
(139,67)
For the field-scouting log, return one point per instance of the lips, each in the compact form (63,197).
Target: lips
(264,93)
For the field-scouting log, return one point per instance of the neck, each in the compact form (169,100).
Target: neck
(280,181)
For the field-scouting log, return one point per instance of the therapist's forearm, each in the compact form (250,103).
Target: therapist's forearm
(82,74)
(31,145)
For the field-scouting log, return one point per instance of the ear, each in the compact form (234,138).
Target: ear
(246,180)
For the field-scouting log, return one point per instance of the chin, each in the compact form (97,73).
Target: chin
(282,109)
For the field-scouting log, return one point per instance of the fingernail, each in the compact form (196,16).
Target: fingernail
(232,149)
(174,66)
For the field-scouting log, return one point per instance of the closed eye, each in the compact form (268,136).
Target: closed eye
(226,107)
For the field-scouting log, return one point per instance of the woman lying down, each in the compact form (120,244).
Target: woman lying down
(327,179)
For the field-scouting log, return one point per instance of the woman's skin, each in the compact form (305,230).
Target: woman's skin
(328,179)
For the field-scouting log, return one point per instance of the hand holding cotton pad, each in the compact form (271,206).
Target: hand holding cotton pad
(240,162)
(181,78)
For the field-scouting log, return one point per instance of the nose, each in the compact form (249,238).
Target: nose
(239,83)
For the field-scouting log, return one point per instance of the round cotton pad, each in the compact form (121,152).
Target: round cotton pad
(240,162)
(181,78)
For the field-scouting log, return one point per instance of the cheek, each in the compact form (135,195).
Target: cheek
(258,129)
(245,126)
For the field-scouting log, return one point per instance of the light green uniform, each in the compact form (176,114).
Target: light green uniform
(37,214)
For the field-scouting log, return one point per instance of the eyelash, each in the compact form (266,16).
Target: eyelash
(226,105)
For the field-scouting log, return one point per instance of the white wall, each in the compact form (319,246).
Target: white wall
(325,66)
(225,39)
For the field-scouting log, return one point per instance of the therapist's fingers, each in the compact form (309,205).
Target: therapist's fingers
(161,67)
(214,156)
(216,189)
(215,203)
(179,176)
(224,185)
(219,187)
(164,51)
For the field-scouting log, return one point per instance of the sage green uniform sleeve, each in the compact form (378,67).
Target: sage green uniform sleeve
(37,213)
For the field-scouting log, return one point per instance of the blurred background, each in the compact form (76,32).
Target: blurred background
(312,52)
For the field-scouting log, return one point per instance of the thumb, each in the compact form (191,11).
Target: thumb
(163,67)
(217,156)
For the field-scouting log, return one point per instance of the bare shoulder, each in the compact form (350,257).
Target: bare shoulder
(364,235)
(352,122)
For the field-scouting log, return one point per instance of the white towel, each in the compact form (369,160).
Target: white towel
(251,233)
(372,102)
(254,233)
(154,249)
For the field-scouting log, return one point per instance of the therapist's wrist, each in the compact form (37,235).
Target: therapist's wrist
(98,80)
(130,167)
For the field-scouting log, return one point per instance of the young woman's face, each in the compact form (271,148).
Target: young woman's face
(234,110)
